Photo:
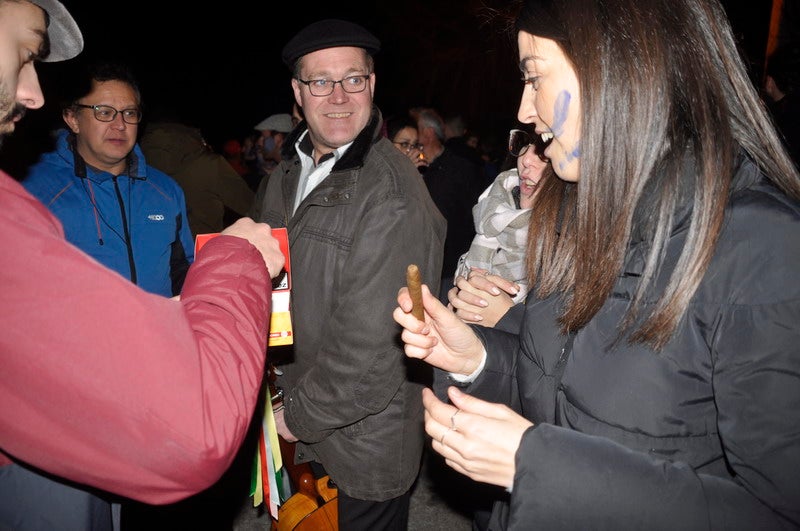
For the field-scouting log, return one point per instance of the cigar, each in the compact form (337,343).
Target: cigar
(414,283)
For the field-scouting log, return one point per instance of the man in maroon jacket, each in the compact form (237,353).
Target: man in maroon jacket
(104,386)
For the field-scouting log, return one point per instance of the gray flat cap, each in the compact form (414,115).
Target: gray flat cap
(277,122)
(66,40)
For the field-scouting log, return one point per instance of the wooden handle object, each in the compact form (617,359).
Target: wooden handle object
(414,283)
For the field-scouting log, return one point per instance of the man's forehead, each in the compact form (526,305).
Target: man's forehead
(335,60)
(113,88)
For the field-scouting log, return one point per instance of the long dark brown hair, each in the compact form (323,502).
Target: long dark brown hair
(663,89)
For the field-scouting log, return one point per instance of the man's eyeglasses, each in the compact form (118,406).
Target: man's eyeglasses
(324,87)
(408,146)
(519,141)
(106,113)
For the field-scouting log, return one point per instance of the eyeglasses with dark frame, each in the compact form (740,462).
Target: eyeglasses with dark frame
(324,87)
(107,113)
(519,141)
(408,146)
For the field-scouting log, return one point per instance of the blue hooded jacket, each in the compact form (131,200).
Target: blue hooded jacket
(134,223)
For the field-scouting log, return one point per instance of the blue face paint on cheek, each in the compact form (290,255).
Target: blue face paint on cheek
(560,110)
(571,157)
(574,154)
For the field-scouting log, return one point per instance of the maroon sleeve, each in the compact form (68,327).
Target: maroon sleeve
(107,385)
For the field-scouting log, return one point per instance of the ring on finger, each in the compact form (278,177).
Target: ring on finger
(453,420)
(448,430)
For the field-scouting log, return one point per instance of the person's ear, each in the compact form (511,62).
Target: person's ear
(297,93)
(71,119)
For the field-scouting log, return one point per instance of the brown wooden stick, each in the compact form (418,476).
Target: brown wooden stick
(414,283)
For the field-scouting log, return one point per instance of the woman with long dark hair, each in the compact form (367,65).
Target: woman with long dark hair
(655,379)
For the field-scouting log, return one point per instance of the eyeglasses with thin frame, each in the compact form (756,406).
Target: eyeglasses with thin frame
(408,146)
(519,141)
(324,87)
(107,113)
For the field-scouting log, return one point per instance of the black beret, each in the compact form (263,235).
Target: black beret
(328,33)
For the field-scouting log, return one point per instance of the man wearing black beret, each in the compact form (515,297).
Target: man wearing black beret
(358,214)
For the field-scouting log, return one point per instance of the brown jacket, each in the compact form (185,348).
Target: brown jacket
(215,193)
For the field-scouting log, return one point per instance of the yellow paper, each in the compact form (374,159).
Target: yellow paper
(274,459)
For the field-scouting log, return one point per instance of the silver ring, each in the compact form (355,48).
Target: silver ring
(441,440)
(453,420)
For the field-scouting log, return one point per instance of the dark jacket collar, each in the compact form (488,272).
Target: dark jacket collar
(357,152)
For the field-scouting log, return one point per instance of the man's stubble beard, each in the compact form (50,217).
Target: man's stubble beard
(9,110)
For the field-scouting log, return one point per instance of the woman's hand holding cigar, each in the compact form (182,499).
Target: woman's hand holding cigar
(445,341)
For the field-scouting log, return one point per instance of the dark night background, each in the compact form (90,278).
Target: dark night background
(219,67)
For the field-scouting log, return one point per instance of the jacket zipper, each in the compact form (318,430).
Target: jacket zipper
(131,263)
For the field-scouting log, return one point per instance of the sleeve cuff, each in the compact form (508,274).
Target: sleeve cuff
(460,378)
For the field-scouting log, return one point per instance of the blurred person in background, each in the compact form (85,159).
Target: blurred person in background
(402,131)
(267,147)
(232,150)
(216,195)
(455,183)
(462,140)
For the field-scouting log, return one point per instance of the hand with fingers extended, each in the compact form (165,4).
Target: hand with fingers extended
(442,340)
(476,438)
(482,298)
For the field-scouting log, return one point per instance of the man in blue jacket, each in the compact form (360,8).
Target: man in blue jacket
(129,216)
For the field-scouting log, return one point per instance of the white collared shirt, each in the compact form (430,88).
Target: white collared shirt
(311,174)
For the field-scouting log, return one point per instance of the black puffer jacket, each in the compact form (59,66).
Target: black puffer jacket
(704,434)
